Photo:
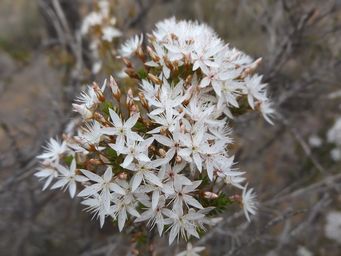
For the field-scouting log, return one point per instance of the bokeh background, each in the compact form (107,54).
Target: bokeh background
(297,180)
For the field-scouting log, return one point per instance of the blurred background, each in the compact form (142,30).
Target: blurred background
(294,165)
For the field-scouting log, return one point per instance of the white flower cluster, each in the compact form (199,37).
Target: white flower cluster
(159,153)
(334,136)
(191,251)
(100,26)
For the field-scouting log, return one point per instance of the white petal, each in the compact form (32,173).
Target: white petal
(164,140)
(155,199)
(115,118)
(136,181)
(106,199)
(143,157)
(72,189)
(122,216)
(173,234)
(47,182)
(198,161)
(116,188)
(109,130)
(132,121)
(134,136)
(81,178)
(160,227)
(127,161)
(192,201)
(90,190)
(133,212)
(108,174)
(205,82)
(73,166)
(60,183)
(153,178)
(101,219)
(92,176)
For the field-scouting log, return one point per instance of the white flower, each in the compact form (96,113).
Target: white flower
(332,228)
(212,76)
(92,19)
(267,111)
(183,224)
(124,204)
(131,46)
(103,184)
(154,215)
(229,91)
(173,144)
(191,251)
(149,90)
(143,171)
(167,121)
(200,111)
(249,202)
(195,146)
(335,154)
(109,33)
(88,98)
(82,110)
(235,179)
(54,150)
(168,99)
(162,55)
(334,134)
(68,178)
(47,173)
(215,161)
(122,129)
(315,141)
(182,196)
(203,56)
(254,90)
(171,174)
(135,150)
(194,83)
(96,205)
(92,134)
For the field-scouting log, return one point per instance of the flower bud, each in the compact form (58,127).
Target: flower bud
(152,54)
(236,198)
(98,117)
(130,98)
(82,110)
(133,109)
(152,148)
(143,100)
(188,80)
(114,88)
(94,161)
(210,195)
(140,54)
(178,159)
(131,72)
(127,63)
(251,69)
(154,79)
(98,91)
(162,152)
(122,176)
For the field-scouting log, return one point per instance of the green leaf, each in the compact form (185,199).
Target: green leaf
(68,159)
(111,154)
(105,107)
(220,203)
(142,73)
